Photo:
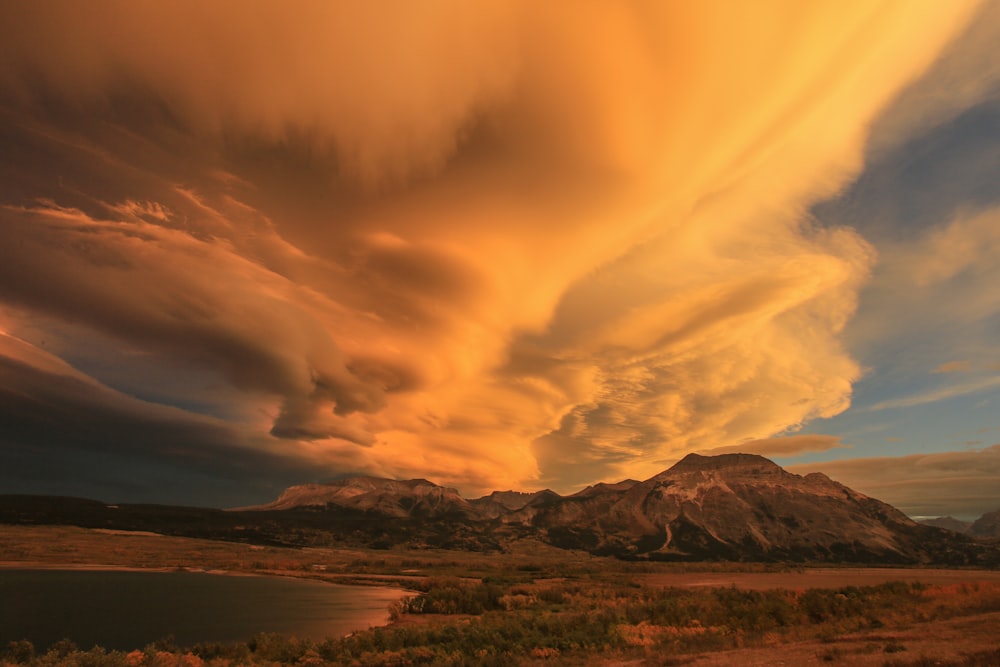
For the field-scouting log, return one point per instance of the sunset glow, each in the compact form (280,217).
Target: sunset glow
(498,244)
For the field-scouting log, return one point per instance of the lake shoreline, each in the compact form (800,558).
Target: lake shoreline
(102,567)
(402,582)
(95,605)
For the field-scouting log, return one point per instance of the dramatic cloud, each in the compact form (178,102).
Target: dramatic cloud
(493,244)
(961,484)
(386,91)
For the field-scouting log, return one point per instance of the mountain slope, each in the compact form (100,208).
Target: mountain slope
(988,525)
(376,495)
(734,506)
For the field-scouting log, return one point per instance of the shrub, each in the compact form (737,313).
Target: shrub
(19,651)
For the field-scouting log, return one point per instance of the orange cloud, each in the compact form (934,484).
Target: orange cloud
(790,445)
(495,244)
(960,366)
(386,91)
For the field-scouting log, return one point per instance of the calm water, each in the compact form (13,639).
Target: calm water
(128,610)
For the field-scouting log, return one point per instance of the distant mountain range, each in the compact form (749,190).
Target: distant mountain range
(988,525)
(948,523)
(728,507)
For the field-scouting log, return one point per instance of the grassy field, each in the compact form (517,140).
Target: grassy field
(543,606)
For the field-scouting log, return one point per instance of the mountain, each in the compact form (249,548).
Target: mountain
(502,503)
(732,506)
(728,507)
(603,487)
(376,495)
(948,523)
(988,525)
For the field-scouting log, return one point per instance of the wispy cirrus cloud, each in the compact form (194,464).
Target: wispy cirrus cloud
(936,395)
(935,292)
(960,484)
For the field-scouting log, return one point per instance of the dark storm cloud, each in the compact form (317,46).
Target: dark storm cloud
(63,431)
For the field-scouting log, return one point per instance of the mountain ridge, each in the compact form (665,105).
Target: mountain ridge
(732,507)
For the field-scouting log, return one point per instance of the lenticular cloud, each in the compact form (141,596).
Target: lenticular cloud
(495,244)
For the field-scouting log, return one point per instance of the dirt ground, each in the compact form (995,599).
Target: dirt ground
(819,577)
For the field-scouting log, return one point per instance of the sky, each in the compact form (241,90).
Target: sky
(498,244)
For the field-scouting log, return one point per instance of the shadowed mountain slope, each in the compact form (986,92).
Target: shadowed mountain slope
(988,525)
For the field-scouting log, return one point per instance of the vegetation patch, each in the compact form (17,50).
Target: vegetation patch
(569,621)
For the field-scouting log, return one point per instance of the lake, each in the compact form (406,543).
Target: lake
(128,610)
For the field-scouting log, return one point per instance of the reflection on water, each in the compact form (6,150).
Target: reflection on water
(127,610)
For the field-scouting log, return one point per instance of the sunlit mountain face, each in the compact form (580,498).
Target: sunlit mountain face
(498,245)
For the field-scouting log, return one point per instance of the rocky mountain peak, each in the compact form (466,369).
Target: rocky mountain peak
(725,462)
(722,469)
(389,497)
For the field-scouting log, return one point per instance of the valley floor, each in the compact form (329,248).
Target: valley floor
(930,643)
(539,605)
